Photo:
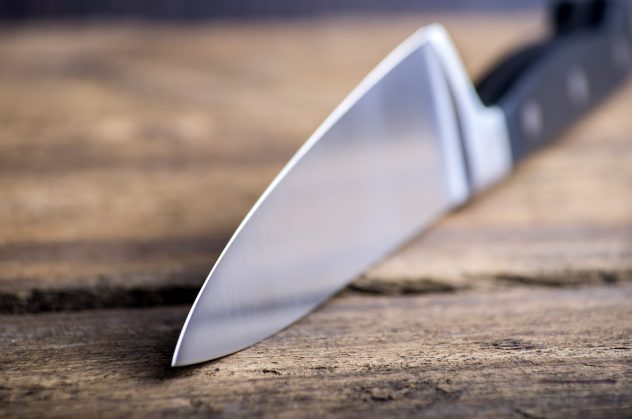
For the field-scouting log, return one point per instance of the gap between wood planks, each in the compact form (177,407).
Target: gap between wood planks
(100,297)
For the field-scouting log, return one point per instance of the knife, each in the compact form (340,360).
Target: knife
(413,140)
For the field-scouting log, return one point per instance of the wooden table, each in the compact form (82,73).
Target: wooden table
(128,155)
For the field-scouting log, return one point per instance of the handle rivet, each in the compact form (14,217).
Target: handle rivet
(531,119)
(577,86)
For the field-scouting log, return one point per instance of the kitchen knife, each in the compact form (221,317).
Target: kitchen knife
(414,139)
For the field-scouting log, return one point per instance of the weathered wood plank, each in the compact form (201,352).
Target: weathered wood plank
(129,154)
(515,353)
(125,164)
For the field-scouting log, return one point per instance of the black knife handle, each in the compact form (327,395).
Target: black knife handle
(545,87)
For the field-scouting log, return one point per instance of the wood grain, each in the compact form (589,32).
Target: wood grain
(477,354)
(126,164)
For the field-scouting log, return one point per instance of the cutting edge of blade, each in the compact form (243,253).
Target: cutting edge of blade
(407,47)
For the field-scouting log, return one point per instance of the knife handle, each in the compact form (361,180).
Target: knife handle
(545,87)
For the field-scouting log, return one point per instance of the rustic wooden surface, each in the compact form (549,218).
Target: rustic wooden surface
(521,353)
(128,155)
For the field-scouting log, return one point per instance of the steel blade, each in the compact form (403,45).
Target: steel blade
(385,164)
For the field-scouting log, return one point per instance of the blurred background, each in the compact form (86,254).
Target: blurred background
(197,10)
(135,135)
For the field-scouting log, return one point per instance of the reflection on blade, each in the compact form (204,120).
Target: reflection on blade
(381,167)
